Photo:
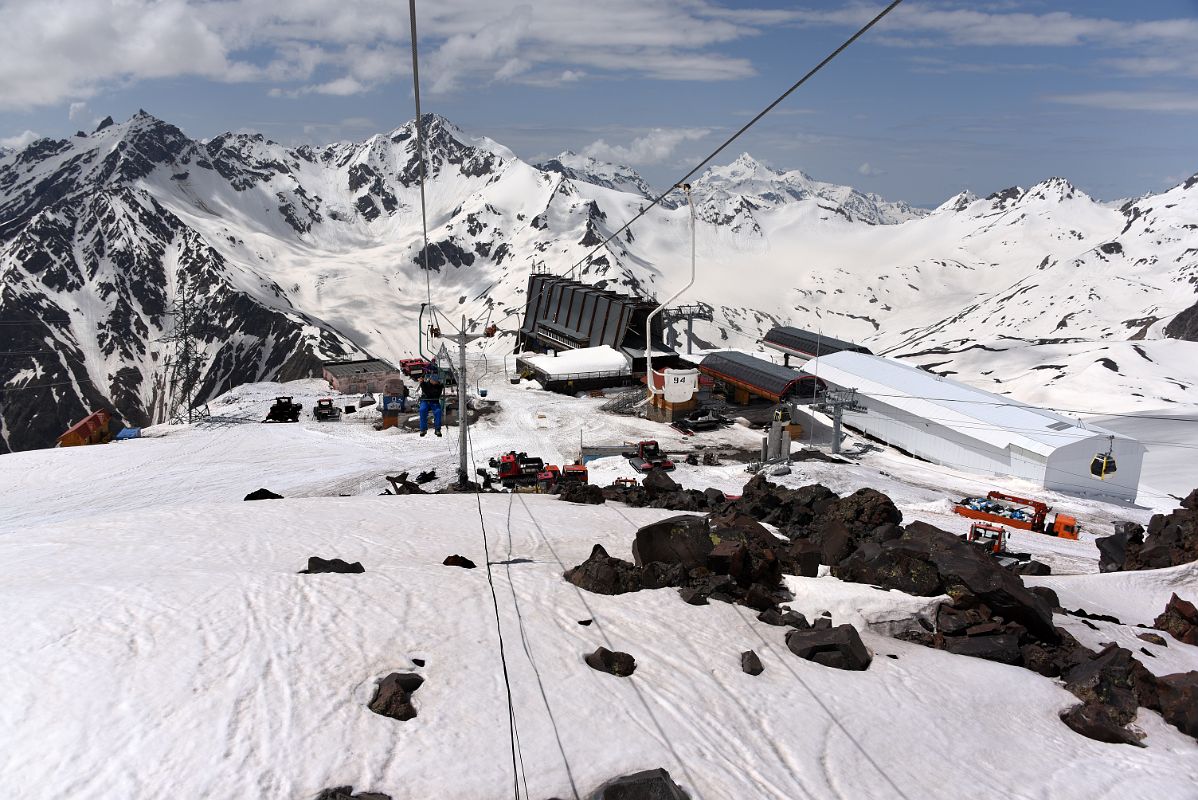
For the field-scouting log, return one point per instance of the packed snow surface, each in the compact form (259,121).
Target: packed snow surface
(158,640)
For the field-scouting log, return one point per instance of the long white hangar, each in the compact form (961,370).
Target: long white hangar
(950,423)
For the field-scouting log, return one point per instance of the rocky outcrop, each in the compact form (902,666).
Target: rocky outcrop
(1179,619)
(347,793)
(750,663)
(456,560)
(263,494)
(1171,540)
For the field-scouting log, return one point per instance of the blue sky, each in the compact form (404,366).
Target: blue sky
(943,95)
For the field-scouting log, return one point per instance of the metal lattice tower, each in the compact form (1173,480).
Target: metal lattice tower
(834,403)
(185,365)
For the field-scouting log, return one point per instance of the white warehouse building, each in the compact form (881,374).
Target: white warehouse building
(950,423)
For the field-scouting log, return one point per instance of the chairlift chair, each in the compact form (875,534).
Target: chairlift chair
(367,399)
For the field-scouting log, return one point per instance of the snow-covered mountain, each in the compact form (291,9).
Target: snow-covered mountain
(600,173)
(291,255)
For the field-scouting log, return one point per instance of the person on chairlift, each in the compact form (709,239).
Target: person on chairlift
(430,400)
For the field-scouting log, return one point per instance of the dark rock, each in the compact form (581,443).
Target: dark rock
(835,542)
(773,616)
(759,598)
(657,575)
(1047,594)
(1095,721)
(318,565)
(393,695)
(426,476)
(456,560)
(1112,550)
(1109,678)
(822,624)
(347,793)
(1032,568)
(804,557)
(778,472)
(658,480)
(418,662)
(714,497)
(750,663)
(1083,614)
(729,557)
(840,647)
(583,493)
(1180,619)
(1002,647)
(692,459)
(1147,652)
(611,661)
(603,574)
(683,539)
(263,494)
(928,561)
(1178,701)
(692,596)
(1153,638)
(1172,539)
(585,622)
(654,784)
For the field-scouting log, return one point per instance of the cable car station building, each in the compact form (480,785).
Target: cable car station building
(562,314)
(959,426)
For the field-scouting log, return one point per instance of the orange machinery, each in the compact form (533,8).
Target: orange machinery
(1018,512)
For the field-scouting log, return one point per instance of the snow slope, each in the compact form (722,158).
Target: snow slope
(158,640)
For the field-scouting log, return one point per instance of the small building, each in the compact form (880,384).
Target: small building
(804,345)
(748,377)
(362,375)
(954,424)
(577,370)
(95,428)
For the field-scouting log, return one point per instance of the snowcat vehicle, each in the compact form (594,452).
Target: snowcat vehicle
(993,539)
(1018,512)
(647,456)
(575,473)
(517,469)
(325,411)
(283,410)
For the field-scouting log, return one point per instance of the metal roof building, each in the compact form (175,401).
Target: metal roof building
(360,375)
(757,376)
(564,314)
(805,344)
(959,426)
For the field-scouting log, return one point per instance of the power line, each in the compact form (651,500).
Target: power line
(685,178)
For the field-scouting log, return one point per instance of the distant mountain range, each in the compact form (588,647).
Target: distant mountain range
(290,255)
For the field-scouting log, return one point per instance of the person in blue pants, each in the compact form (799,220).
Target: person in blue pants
(430,400)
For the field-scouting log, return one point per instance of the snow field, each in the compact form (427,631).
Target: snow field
(212,669)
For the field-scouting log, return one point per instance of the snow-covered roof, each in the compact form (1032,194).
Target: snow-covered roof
(995,419)
(583,360)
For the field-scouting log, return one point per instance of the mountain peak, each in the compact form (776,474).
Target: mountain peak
(107,122)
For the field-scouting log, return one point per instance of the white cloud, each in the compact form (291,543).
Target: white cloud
(20,140)
(653,147)
(78,111)
(69,50)
(1169,44)
(1171,102)
(869,170)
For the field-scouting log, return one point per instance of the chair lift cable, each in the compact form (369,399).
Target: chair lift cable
(686,178)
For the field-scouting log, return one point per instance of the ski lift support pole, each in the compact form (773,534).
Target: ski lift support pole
(686,188)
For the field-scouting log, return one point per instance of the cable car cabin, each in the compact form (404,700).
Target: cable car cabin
(95,428)
(1102,465)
